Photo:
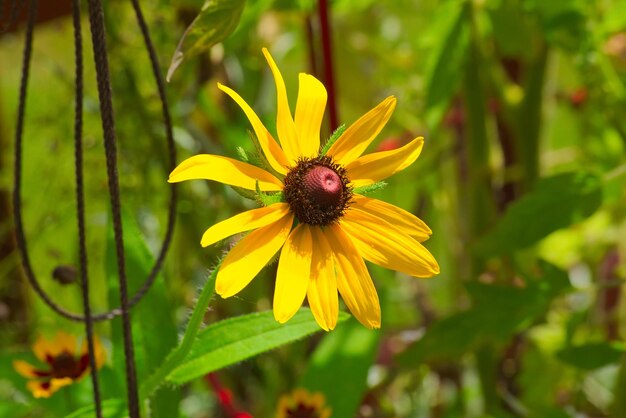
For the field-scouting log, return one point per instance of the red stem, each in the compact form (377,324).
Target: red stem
(329,78)
(225,398)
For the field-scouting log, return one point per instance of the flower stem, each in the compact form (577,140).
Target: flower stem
(173,360)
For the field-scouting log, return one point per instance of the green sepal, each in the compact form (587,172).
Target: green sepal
(248,194)
(243,155)
(267,199)
(333,138)
(370,188)
(258,159)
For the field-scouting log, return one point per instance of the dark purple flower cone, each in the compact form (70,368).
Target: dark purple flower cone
(323,185)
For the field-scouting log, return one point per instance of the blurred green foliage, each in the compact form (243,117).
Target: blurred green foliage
(522,180)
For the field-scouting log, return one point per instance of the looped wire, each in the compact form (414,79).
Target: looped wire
(104,92)
(80,203)
(169,231)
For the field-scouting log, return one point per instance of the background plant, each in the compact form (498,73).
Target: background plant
(521,180)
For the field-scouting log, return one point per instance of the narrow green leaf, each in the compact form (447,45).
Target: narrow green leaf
(154,330)
(111,408)
(449,35)
(556,202)
(339,367)
(447,339)
(217,20)
(593,355)
(517,308)
(10,408)
(236,339)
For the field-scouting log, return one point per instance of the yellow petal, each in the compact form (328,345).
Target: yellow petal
(294,271)
(382,243)
(353,280)
(225,170)
(100,353)
(361,133)
(400,218)
(309,114)
(64,342)
(27,370)
(39,389)
(378,166)
(59,383)
(245,221)
(284,121)
(250,255)
(283,406)
(322,291)
(44,349)
(43,389)
(274,154)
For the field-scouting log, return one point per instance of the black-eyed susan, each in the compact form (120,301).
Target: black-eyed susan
(323,225)
(62,364)
(302,404)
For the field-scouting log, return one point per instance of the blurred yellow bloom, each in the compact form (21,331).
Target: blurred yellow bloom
(324,227)
(302,404)
(63,364)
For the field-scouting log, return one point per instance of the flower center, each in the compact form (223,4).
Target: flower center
(323,185)
(303,411)
(65,365)
(317,191)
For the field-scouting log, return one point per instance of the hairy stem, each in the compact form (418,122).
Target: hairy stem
(156,379)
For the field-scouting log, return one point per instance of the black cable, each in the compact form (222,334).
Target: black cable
(28,271)
(171,147)
(99,43)
(96,20)
(80,203)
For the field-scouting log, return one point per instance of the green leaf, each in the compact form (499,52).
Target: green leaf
(511,34)
(14,409)
(450,37)
(498,312)
(217,20)
(111,408)
(339,367)
(563,21)
(592,355)
(556,202)
(447,339)
(153,327)
(236,339)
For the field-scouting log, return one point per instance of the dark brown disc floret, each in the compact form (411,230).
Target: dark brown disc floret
(317,191)
(66,365)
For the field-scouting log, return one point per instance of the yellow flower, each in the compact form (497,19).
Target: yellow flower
(323,225)
(63,365)
(302,404)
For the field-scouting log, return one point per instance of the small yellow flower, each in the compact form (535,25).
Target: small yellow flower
(302,404)
(324,227)
(63,365)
